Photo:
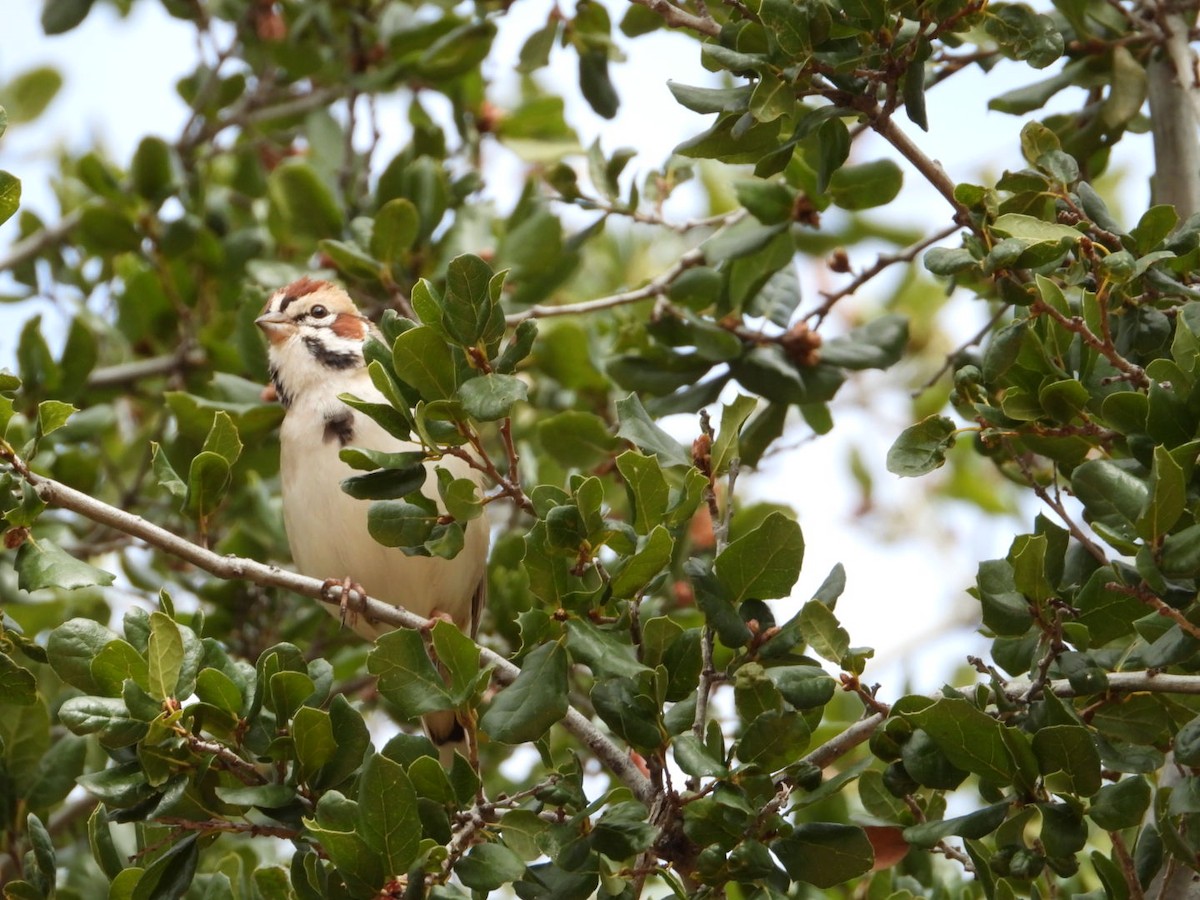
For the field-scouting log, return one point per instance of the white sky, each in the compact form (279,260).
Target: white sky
(906,567)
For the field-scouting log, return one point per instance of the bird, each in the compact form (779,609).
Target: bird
(315,338)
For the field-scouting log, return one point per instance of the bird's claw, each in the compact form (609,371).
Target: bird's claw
(438,616)
(346,589)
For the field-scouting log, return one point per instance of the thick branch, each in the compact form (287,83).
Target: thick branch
(238,568)
(1174,115)
(1118,682)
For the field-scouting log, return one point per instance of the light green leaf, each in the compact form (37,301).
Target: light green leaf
(43,564)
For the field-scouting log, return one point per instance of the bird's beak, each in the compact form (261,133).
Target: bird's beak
(275,325)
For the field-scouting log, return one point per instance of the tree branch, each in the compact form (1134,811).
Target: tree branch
(29,247)
(238,568)
(132,372)
(654,288)
(681,18)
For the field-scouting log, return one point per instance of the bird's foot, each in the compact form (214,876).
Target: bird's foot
(438,616)
(348,590)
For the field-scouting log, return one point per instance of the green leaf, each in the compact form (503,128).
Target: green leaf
(10,195)
(153,169)
(407,677)
(469,312)
(715,603)
(60,16)
(629,711)
(387,813)
(117,662)
(971,739)
(821,630)
(576,439)
(595,84)
(167,477)
(867,185)
(644,566)
(1121,805)
(877,345)
(43,564)
(53,415)
(647,488)
(602,650)
(1068,759)
(693,757)
(303,201)
(774,739)
(395,231)
(1167,497)
(537,699)
(764,563)
(733,417)
(640,430)
(972,826)
(397,523)
(18,686)
(165,656)
(1024,34)
(423,360)
(489,867)
(106,717)
(492,396)
(209,477)
(825,854)
(28,94)
(922,447)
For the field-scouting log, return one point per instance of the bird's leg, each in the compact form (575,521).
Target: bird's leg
(347,588)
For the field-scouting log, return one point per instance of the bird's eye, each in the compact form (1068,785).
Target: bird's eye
(319,312)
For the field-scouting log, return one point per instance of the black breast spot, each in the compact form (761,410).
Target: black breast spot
(339,427)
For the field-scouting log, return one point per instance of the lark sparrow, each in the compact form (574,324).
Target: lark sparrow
(316,336)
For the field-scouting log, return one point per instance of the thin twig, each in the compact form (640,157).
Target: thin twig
(123,374)
(1135,374)
(242,569)
(884,261)
(681,18)
(1157,604)
(1128,869)
(654,288)
(29,247)
(1144,682)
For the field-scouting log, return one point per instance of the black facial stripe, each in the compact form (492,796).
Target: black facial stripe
(285,399)
(286,301)
(339,427)
(330,358)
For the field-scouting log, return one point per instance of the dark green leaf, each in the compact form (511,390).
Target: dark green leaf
(537,699)
(825,854)
(764,563)
(866,185)
(639,429)
(407,677)
(387,813)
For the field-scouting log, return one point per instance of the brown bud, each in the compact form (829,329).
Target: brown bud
(700,531)
(488,117)
(801,345)
(268,23)
(702,454)
(15,537)
(839,261)
(805,213)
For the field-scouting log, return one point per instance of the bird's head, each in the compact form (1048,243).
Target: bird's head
(315,332)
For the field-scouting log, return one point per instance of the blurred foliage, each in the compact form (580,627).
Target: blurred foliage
(167,734)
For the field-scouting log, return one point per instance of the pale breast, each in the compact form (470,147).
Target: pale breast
(327,528)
